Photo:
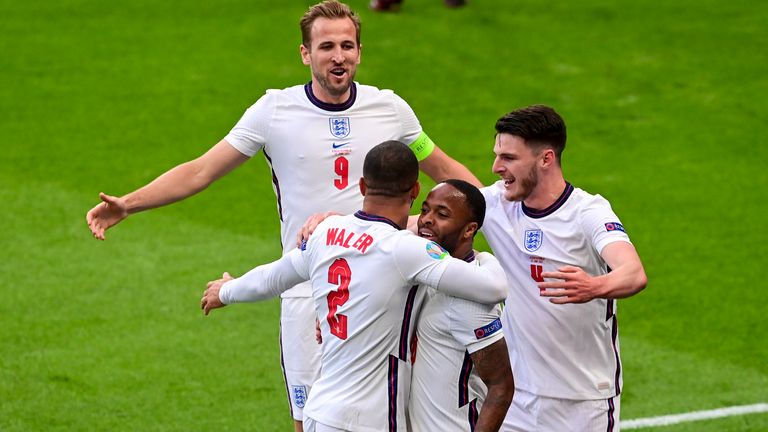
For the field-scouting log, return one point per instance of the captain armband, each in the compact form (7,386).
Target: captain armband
(422,147)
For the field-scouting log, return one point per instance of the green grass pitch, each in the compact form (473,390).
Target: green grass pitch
(666,109)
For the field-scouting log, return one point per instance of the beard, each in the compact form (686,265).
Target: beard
(335,91)
(525,186)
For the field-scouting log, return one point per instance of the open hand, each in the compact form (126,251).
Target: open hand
(107,213)
(309,226)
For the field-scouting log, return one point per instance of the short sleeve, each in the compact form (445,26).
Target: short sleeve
(250,133)
(601,225)
(410,127)
(474,325)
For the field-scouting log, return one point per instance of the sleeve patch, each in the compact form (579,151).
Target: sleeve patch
(422,147)
(436,251)
(615,226)
(488,329)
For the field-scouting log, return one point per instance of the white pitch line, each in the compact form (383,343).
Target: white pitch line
(694,416)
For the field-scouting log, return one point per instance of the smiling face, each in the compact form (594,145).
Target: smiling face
(333,56)
(445,218)
(517,165)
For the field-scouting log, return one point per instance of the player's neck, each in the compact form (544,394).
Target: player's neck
(393,208)
(462,250)
(546,192)
(323,96)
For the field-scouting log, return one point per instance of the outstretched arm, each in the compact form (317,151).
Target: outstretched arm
(174,185)
(626,278)
(439,167)
(263,282)
(492,365)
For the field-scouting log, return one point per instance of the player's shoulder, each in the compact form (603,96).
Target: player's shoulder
(273,97)
(367,90)
(371,94)
(473,324)
(293,93)
(494,196)
(298,88)
(493,191)
(586,201)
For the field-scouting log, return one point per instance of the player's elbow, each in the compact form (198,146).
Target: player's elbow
(501,390)
(641,281)
(199,176)
(496,291)
(507,387)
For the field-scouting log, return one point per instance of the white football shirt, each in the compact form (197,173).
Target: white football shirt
(446,392)
(561,351)
(363,270)
(316,150)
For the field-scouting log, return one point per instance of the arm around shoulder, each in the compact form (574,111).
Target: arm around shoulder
(486,283)
(439,167)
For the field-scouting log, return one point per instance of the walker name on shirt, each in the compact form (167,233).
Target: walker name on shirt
(340,237)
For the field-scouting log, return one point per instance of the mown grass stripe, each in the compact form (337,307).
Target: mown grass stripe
(694,416)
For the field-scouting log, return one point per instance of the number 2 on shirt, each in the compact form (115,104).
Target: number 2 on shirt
(341,167)
(338,274)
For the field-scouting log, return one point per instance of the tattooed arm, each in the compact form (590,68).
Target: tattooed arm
(492,365)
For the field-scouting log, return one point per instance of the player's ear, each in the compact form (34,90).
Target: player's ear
(470,230)
(359,53)
(363,189)
(548,158)
(414,192)
(304,54)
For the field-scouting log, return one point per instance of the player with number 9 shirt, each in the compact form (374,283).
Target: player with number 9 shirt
(314,137)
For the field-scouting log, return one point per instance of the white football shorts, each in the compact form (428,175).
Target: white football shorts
(313,426)
(299,350)
(530,412)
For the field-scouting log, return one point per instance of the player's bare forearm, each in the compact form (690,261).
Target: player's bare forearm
(439,167)
(176,184)
(628,275)
(186,179)
(492,365)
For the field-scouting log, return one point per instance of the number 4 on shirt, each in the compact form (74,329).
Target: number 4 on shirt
(536,271)
(338,274)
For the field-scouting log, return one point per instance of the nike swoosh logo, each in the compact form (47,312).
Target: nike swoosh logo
(339,145)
